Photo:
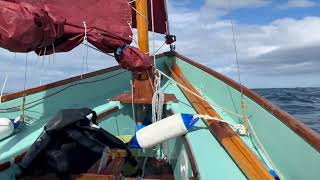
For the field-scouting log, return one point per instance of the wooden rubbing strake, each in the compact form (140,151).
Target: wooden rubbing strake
(236,148)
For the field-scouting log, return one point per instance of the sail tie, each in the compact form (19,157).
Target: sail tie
(85,40)
(120,50)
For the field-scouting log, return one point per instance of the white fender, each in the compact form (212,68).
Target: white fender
(6,128)
(163,130)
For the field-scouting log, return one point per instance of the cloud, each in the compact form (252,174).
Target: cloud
(281,53)
(290,61)
(210,9)
(43,70)
(297,4)
(284,49)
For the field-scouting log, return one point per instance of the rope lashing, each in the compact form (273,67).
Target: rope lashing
(239,128)
(85,39)
(85,31)
(157,99)
(120,50)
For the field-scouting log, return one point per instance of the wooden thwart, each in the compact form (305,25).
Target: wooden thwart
(237,149)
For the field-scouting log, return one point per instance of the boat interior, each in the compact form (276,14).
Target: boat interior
(199,154)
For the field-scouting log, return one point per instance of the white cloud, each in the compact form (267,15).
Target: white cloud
(285,48)
(297,4)
(210,42)
(42,70)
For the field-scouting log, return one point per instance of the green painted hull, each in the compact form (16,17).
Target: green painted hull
(291,153)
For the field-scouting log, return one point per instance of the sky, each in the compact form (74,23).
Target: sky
(278,45)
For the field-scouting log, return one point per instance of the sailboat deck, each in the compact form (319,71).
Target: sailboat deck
(203,154)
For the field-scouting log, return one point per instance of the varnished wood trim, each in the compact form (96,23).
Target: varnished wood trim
(299,128)
(105,114)
(193,163)
(4,166)
(19,94)
(249,164)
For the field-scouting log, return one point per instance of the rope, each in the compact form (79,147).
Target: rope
(157,110)
(3,86)
(153,38)
(131,1)
(38,56)
(132,101)
(54,52)
(146,18)
(200,97)
(155,52)
(239,128)
(86,42)
(94,48)
(25,72)
(157,100)
(247,122)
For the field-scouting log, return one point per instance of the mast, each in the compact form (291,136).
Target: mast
(142,25)
(142,81)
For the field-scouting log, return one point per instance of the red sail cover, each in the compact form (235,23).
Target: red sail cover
(25,28)
(57,25)
(159,13)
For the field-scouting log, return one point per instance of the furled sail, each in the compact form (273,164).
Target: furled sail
(50,26)
(160,16)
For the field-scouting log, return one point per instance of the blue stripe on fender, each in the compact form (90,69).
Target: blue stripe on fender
(188,120)
(134,143)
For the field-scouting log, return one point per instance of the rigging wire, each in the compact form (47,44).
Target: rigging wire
(65,88)
(132,101)
(234,114)
(53,54)
(237,60)
(200,97)
(96,49)
(3,86)
(248,124)
(25,72)
(153,38)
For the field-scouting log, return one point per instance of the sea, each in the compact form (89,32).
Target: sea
(302,103)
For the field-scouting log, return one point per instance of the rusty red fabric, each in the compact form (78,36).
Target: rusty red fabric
(159,13)
(132,59)
(106,21)
(49,26)
(24,28)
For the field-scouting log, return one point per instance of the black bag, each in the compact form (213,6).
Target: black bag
(69,145)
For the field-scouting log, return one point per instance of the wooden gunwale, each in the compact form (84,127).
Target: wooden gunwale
(249,164)
(34,90)
(310,136)
(107,113)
